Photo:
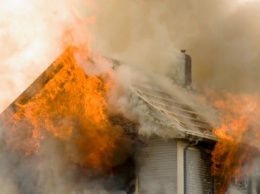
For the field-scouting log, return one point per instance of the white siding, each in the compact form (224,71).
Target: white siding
(158,168)
(198,178)
(193,184)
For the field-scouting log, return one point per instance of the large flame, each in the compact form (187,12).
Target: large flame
(56,136)
(238,136)
(32,34)
(71,107)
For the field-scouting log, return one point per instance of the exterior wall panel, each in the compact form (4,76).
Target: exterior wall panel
(198,179)
(158,168)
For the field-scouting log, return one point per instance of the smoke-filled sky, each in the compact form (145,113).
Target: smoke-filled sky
(32,35)
(221,36)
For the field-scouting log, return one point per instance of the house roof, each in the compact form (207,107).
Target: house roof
(57,66)
(165,107)
(175,112)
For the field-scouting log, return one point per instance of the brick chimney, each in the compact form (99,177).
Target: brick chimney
(187,69)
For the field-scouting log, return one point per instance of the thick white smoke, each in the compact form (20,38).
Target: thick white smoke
(32,35)
(221,36)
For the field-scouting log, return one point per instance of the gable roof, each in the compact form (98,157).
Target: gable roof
(175,112)
(59,64)
(164,106)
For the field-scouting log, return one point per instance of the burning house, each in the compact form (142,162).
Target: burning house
(178,156)
(63,139)
(65,108)
(180,164)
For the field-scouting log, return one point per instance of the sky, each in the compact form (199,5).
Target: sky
(221,37)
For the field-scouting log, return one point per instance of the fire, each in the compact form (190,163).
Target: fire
(58,132)
(33,34)
(237,137)
(71,108)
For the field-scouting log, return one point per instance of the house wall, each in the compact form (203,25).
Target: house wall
(197,171)
(174,166)
(158,167)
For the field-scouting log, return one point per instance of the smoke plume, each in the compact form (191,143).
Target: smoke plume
(32,35)
(221,37)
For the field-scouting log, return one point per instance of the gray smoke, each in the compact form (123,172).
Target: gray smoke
(32,35)
(221,36)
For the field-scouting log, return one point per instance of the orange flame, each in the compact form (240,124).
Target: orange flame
(237,136)
(72,108)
